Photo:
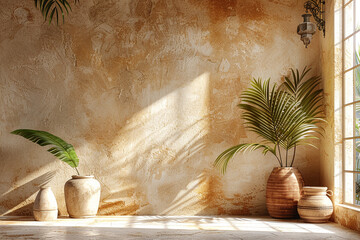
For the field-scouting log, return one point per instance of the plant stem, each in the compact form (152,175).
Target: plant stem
(281,163)
(77,171)
(293,156)
(278,160)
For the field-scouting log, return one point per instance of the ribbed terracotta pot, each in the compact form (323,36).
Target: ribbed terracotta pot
(82,196)
(314,206)
(283,192)
(45,205)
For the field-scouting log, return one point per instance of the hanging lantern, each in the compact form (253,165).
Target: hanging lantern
(306,29)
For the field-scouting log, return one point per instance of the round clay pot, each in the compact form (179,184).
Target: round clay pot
(45,205)
(82,196)
(314,206)
(283,192)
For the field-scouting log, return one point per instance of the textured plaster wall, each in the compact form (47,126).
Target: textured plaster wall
(146,91)
(331,142)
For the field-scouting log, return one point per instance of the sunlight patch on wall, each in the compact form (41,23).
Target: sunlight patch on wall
(164,141)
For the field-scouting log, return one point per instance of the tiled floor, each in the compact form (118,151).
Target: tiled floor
(167,227)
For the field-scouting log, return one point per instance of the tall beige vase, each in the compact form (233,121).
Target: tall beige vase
(82,196)
(45,205)
(314,205)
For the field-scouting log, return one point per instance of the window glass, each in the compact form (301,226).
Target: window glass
(357,188)
(351,90)
(349,86)
(357,82)
(357,15)
(349,18)
(349,53)
(349,154)
(349,188)
(349,121)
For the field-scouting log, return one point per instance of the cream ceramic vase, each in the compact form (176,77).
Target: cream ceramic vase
(82,196)
(314,205)
(45,205)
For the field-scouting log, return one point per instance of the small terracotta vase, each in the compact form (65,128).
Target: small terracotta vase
(45,205)
(314,206)
(82,196)
(283,192)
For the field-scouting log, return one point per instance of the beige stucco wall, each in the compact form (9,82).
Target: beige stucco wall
(328,151)
(146,91)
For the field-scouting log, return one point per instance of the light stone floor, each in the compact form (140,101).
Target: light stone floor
(170,227)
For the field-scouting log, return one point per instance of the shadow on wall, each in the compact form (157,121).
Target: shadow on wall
(166,148)
(9,200)
(167,166)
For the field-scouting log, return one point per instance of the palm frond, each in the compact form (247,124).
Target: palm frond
(305,91)
(54,8)
(283,117)
(223,159)
(60,149)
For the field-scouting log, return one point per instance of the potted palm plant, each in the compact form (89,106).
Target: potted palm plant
(283,117)
(82,193)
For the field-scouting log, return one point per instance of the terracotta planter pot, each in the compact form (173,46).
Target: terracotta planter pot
(283,192)
(82,196)
(45,205)
(314,206)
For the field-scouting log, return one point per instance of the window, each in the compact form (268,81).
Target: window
(351,101)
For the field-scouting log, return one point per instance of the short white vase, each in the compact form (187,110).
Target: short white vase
(45,205)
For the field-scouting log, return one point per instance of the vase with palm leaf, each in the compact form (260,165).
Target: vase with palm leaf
(82,193)
(284,117)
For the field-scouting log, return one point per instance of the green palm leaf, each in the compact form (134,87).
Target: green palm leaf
(304,91)
(60,149)
(283,117)
(223,159)
(54,8)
